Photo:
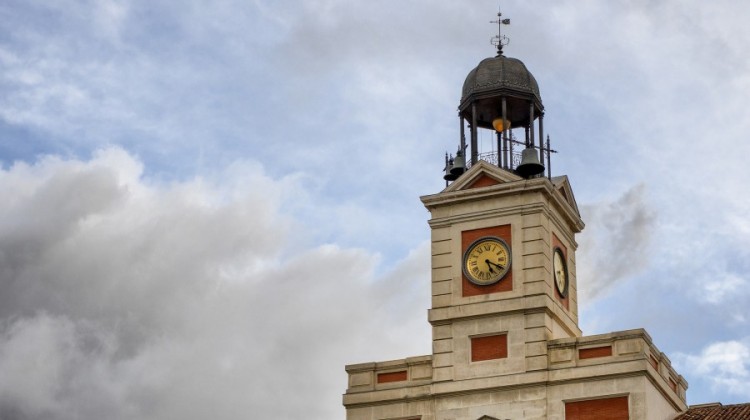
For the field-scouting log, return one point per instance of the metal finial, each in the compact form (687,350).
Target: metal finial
(500,40)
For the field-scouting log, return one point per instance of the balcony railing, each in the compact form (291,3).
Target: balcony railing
(515,152)
(491,158)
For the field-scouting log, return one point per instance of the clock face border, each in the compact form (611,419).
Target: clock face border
(558,251)
(471,246)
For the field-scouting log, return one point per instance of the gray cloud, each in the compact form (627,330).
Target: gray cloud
(615,244)
(127,299)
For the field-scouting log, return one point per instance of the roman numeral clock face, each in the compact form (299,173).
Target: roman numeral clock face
(486,261)
(560,272)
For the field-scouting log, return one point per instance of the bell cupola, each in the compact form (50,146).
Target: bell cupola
(502,96)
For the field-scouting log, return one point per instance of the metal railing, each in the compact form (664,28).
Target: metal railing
(515,156)
(491,158)
(515,151)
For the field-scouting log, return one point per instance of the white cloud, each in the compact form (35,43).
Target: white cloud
(127,298)
(716,291)
(726,365)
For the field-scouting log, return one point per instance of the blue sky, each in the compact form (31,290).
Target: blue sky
(204,189)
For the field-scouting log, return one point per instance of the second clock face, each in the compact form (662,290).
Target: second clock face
(486,260)
(560,272)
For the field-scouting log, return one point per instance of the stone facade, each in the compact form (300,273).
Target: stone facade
(546,362)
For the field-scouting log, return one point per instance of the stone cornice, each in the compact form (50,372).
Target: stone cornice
(538,303)
(541,186)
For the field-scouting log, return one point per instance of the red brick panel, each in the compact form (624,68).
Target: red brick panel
(483,181)
(391,377)
(654,362)
(506,283)
(601,409)
(595,352)
(489,347)
(673,384)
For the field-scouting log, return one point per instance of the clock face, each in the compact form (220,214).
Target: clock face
(560,272)
(486,261)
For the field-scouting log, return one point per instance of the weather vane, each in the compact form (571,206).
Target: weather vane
(500,40)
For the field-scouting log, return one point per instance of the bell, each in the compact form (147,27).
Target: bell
(459,164)
(529,165)
(449,175)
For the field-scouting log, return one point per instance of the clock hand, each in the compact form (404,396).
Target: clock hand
(488,265)
(495,264)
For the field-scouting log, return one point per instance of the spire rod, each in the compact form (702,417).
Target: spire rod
(500,40)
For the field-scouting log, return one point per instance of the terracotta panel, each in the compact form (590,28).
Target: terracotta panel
(483,181)
(391,377)
(489,347)
(654,362)
(593,352)
(601,409)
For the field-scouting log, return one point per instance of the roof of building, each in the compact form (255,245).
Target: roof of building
(716,411)
(498,73)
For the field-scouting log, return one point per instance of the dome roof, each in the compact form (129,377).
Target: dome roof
(493,80)
(500,73)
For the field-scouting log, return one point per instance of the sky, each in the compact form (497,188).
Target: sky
(209,208)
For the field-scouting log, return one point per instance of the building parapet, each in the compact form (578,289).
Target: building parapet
(569,355)
(392,374)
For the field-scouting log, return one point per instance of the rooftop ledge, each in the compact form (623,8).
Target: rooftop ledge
(374,376)
(568,359)
(615,347)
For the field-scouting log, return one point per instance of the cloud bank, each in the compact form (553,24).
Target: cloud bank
(125,298)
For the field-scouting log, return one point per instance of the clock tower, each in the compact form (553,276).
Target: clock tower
(503,273)
(505,337)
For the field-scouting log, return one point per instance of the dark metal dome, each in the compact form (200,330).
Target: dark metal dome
(500,77)
(500,72)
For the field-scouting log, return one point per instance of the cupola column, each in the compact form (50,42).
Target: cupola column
(541,137)
(530,139)
(504,111)
(499,139)
(509,149)
(526,136)
(474,150)
(463,136)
